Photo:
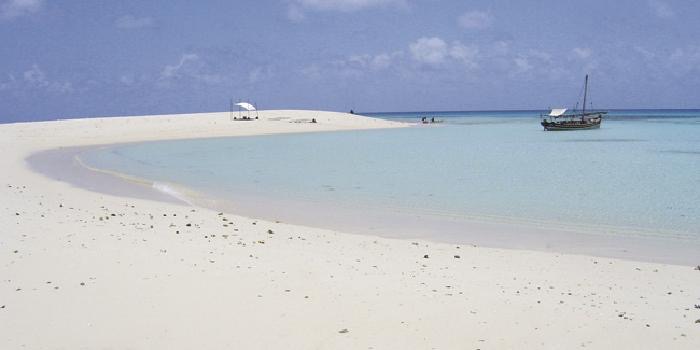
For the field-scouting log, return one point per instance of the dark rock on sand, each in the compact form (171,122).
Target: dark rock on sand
(343,331)
(425,256)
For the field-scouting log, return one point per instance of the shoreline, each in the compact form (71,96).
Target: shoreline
(491,232)
(83,269)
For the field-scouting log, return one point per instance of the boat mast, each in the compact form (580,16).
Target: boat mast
(585,95)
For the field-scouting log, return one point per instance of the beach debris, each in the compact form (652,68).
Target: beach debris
(343,331)
(426,256)
(697,306)
(697,268)
(188,225)
(457,256)
(82,283)
(2,307)
(697,321)
(16,251)
(270,232)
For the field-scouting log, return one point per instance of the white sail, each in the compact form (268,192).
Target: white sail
(557,112)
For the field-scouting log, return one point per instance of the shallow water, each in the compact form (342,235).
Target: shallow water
(640,172)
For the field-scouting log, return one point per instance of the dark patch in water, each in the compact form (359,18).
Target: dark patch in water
(604,140)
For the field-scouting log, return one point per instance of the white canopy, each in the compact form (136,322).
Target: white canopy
(557,112)
(245,105)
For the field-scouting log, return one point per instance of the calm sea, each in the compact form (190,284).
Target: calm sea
(639,173)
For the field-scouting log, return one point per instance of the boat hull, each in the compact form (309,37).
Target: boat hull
(569,127)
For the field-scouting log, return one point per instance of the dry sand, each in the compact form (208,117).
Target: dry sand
(85,270)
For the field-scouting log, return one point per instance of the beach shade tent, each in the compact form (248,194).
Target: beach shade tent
(245,105)
(248,107)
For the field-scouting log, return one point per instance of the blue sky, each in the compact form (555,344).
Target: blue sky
(95,58)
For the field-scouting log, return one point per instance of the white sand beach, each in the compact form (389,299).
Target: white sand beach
(88,270)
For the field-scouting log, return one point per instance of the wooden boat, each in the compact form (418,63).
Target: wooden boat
(559,120)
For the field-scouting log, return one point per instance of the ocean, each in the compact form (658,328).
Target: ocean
(638,175)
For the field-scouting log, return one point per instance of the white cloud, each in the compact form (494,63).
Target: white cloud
(259,74)
(127,79)
(35,78)
(582,52)
(685,60)
(296,12)
(475,20)
(372,62)
(435,52)
(522,64)
(344,5)
(661,9)
(381,61)
(355,66)
(189,67)
(644,52)
(15,8)
(7,85)
(132,22)
(431,51)
(173,71)
(313,71)
(467,55)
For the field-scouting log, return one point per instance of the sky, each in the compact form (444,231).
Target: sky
(87,58)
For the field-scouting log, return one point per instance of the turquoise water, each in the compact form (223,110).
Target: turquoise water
(640,171)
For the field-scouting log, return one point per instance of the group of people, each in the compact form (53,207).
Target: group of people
(424,120)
